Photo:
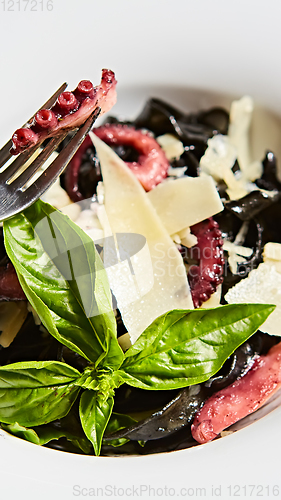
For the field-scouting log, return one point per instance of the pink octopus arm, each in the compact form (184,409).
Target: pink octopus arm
(150,169)
(205,277)
(152,165)
(70,111)
(241,398)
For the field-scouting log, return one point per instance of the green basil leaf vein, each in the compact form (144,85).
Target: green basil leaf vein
(64,279)
(183,348)
(35,393)
(95,412)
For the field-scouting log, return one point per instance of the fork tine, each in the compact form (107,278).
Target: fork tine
(59,164)
(17,163)
(5,151)
(52,99)
(41,158)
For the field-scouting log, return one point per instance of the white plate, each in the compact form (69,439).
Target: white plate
(156,47)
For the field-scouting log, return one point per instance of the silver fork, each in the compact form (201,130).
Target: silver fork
(19,192)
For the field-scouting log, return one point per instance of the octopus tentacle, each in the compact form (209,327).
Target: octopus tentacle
(240,399)
(71,175)
(152,166)
(205,277)
(70,111)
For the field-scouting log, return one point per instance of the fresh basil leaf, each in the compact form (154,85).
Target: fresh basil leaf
(22,432)
(95,413)
(183,348)
(114,356)
(117,422)
(35,393)
(43,434)
(64,279)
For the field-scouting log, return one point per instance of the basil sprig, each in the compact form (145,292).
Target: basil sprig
(63,278)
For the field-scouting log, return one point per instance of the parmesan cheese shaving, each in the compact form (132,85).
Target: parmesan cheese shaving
(219,157)
(154,279)
(238,132)
(172,147)
(262,286)
(272,251)
(222,152)
(218,160)
(236,254)
(183,202)
(176,172)
(125,341)
(12,317)
(56,196)
(272,255)
(185,237)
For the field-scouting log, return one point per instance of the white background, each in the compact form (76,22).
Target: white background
(218,45)
(214,44)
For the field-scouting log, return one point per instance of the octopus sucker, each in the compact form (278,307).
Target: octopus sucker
(45,119)
(207,275)
(85,89)
(69,111)
(67,103)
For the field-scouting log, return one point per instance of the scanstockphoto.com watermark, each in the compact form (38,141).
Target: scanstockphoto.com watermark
(164,491)
(27,5)
(196,260)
